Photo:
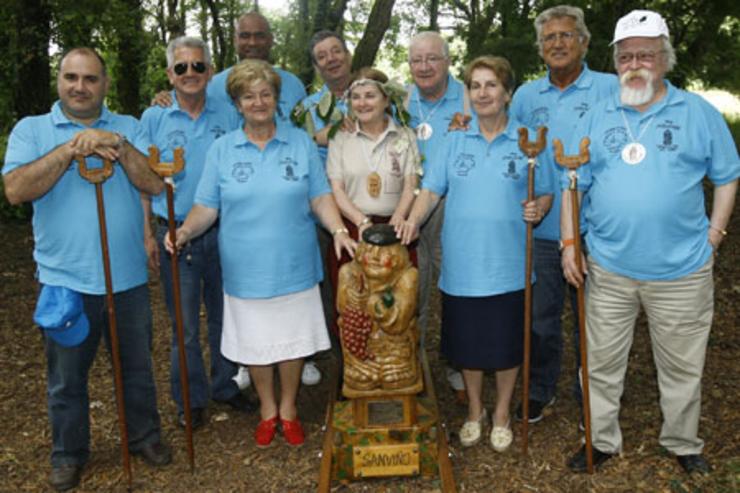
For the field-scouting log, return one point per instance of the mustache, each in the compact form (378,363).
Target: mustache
(641,73)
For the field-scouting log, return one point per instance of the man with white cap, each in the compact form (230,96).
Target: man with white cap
(649,239)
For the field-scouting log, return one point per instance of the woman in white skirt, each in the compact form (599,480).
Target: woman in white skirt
(263,182)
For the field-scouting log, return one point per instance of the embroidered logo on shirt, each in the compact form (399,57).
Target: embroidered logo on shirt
(510,163)
(217,132)
(288,165)
(242,172)
(581,109)
(668,128)
(615,139)
(176,138)
(539,117)
(463,164)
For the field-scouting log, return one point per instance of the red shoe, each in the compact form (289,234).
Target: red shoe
(265,431)
(293,432)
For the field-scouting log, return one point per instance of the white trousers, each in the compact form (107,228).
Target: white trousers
(679,315)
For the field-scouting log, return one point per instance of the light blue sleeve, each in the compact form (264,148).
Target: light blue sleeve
(22,147)
(724,164)
(318,184)
(435,172)
(208,192)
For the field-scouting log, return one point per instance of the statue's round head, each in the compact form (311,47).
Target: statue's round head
(380,253)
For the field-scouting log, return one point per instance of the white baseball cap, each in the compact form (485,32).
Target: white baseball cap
(640,23)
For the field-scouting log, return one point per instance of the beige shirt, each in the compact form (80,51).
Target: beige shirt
(353,156)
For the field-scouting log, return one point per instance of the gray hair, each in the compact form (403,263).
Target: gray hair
(559,12)
(321,36)
(670,53)
(187,42)
(429,35)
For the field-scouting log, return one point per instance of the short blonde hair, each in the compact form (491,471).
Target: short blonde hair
(249,72)
(496,64)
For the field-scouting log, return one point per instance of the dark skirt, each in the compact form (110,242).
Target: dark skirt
(483,333)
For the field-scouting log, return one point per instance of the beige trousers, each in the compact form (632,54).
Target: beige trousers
(679,315)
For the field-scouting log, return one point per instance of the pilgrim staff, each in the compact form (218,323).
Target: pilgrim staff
(573,163)
(167,171)
(97,176)
(531,150)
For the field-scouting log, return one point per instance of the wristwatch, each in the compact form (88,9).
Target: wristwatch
(121,140)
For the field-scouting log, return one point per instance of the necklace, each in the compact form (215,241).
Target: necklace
(634,152)
(424,130)
(374,182)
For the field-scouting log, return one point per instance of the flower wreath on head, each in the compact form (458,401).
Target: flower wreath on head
(327,109)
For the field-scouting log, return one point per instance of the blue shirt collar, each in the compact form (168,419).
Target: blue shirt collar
(672,97)
(175,106)
(510,132)
(59,118)
(282,134)
(584,81)
(453,92)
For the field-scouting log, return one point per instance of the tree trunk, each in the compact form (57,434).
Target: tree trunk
(377,24)
(131,56)
(433,15)
(219,55)
(32,91)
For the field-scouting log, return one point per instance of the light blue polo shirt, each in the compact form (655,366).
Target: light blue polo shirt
(171,127)
(65,219)
(540,103)
(648,221)
(437,113)
(312,102)
(291,91)
(267,236)
(483,235)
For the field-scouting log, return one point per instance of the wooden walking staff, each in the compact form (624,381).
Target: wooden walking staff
(167,171)
(573,163)
(531,150)
(98,176)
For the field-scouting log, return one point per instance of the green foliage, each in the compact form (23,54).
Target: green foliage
(8,212)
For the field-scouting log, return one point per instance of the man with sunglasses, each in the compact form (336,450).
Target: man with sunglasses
(192,122)
(557,101)
(650,242)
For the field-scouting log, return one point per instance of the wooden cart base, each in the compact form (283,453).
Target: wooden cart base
(384,437)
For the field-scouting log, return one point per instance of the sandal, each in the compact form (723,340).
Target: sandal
(471,431)
(265,431)
(501,437)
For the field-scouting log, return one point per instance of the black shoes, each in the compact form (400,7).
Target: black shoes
(197,415)
(155,454)
(65,477)
(577,463)
(694,463)
(535,410)
(240,402)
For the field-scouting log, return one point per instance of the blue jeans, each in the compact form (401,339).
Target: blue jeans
(200,275)
(68,368)
(548,298)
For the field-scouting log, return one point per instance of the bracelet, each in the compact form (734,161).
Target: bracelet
(340,230)
(365,221)
(721,231)
(567,243)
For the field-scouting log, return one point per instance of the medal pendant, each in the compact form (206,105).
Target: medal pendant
(424,131)
(374,185)
(633,153)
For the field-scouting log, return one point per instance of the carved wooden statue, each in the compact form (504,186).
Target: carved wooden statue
(376,299)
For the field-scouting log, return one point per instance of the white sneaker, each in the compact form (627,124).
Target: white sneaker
(311,374)
(242,378)
(501,437)
(471,431)
(455,379)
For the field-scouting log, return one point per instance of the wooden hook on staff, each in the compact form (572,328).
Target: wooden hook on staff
(167,171)
(97,176)
(531,150)
(573,163)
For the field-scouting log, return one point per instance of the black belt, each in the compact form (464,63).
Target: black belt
(164,222)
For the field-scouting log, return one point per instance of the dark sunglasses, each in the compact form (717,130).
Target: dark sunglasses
(181,68)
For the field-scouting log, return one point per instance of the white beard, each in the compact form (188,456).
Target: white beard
(632,96)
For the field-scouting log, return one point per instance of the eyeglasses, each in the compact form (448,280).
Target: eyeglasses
(430,60)
(565,36)
(625,57)
(182,67)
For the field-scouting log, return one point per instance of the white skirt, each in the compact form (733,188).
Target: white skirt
(268,330)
